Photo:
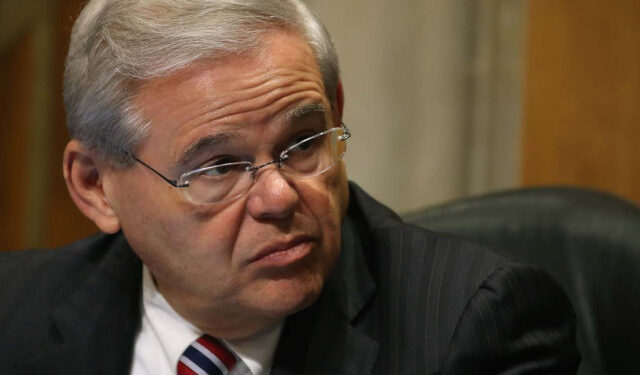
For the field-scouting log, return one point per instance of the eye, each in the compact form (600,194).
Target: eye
(222,166)
(301,144)
(216,171)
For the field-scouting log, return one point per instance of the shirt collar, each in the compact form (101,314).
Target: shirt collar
(257,351)
(175,333)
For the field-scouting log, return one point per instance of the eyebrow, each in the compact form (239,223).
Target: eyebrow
(224,137)
(205,143)
(303,111)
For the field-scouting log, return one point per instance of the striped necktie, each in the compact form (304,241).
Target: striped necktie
(206,356)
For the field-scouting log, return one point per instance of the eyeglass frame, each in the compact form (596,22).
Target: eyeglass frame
(253,169)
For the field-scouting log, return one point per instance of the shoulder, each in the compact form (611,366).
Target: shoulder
(22,267)
(408,256)
(65,295)
(31,281)
(519,320)
(395,249)
(405,248)
(457,304)
(475,312)
(433,277)
(438,274)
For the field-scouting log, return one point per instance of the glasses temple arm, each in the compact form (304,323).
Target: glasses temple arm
(173,183)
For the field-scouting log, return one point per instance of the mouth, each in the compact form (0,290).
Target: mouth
(282,253)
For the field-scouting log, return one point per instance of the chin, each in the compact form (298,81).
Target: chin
(285,297)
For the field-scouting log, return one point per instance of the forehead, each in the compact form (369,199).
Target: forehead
(227,85)
(252,88)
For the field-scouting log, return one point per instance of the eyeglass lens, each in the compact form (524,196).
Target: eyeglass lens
(307,158)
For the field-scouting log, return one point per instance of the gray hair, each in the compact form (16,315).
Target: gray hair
(115,43)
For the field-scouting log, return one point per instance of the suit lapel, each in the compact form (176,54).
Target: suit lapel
(94,325)
(321,339)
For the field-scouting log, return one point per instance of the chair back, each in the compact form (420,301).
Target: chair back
(588,241)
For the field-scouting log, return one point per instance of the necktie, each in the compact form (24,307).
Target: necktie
(206,356)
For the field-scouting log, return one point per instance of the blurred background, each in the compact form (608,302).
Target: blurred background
(445,99)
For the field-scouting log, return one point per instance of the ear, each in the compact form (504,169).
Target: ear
(84,175)
(339,99)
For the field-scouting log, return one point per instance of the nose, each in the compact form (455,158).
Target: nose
(272,197)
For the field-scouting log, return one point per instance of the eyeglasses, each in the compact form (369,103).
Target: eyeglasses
(226,179)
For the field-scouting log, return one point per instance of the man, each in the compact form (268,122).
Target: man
(207,145)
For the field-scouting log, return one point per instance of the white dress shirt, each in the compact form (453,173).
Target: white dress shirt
(164,335)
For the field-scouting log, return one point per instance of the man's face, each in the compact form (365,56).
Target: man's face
(205,258)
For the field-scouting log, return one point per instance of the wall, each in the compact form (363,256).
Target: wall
(35,207)
(582,98)
(433,95)
(433,99)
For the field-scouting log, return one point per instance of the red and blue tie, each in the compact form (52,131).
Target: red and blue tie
(206,356)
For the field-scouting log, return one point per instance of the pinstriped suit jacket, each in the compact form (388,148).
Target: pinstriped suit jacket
(401,300)
(404,300)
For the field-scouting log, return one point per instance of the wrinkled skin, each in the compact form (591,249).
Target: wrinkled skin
(201,257)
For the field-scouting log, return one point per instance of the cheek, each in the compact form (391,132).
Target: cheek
(322,201)
(193,254)
(202,237)
(327,198)
(172,236)
(340,186)
(332,194)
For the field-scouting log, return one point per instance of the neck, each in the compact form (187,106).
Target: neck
(225,322)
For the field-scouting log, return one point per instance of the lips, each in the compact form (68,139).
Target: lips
(289,249)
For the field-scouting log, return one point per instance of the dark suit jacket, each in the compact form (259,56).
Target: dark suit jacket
(401,300)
